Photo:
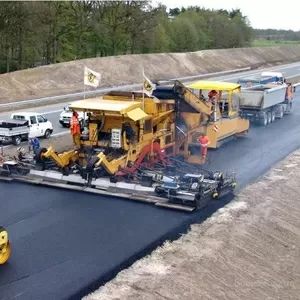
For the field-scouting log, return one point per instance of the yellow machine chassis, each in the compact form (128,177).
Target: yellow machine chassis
(4,246)
(146,113)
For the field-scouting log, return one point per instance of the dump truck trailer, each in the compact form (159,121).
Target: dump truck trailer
(264,103)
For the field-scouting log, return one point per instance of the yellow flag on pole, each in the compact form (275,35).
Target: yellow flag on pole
(91,77)
(148,85)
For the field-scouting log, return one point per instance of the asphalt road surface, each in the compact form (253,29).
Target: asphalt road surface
(63,242)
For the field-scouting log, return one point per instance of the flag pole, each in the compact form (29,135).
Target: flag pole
(83,82)
(143,90)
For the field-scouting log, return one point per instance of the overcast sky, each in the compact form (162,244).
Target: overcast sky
(261,13)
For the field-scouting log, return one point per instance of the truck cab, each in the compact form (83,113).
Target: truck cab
(66,115)
(249,82)
(277,75)
(38,124)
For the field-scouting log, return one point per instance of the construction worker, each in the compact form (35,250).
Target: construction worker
(34,144)
(212,94)
(204,142)
(75,128)
(289,91)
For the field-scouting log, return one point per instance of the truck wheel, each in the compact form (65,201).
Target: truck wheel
(289,108)
(273,115)
(17,140)
(281,112)
(263,121)
(47,134)
(269,117)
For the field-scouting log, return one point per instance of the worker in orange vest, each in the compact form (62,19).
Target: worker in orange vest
(204,142)
(75,128)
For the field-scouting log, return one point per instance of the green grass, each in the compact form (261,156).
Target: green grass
(266,43)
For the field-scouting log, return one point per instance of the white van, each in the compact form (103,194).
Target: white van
(39,125)
(66,115)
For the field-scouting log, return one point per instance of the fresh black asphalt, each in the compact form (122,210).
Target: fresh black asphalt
(63,242)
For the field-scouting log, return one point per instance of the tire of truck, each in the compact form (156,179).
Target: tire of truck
(281,112)
(289,108)
(47,134)
(263,120)
(17,140)
(273,116)
(269,116)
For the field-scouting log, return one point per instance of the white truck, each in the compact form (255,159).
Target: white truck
(14,131)
(24,125)
(66,115)
(263,103)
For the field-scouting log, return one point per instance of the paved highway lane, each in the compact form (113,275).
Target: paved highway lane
(63,241)
(254,154)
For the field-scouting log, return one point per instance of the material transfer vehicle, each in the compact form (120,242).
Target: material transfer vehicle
(38,124)
(4,246)
(219,116)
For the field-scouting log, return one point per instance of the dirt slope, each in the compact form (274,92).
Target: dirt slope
(67,77)
(248,250)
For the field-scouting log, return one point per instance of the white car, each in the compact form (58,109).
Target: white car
(39,124)
(66,115)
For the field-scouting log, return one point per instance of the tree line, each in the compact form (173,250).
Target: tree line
(38,33)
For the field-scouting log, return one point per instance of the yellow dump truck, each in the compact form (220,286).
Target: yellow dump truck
(4,246)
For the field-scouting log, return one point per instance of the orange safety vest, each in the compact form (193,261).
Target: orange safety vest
(203,140)
(289,91)
(74,126)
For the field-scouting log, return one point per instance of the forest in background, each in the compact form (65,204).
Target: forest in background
(38,33)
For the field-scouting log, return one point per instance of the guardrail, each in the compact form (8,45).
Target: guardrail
(98,92)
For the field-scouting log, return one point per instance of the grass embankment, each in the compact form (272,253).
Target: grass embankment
(268,43)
